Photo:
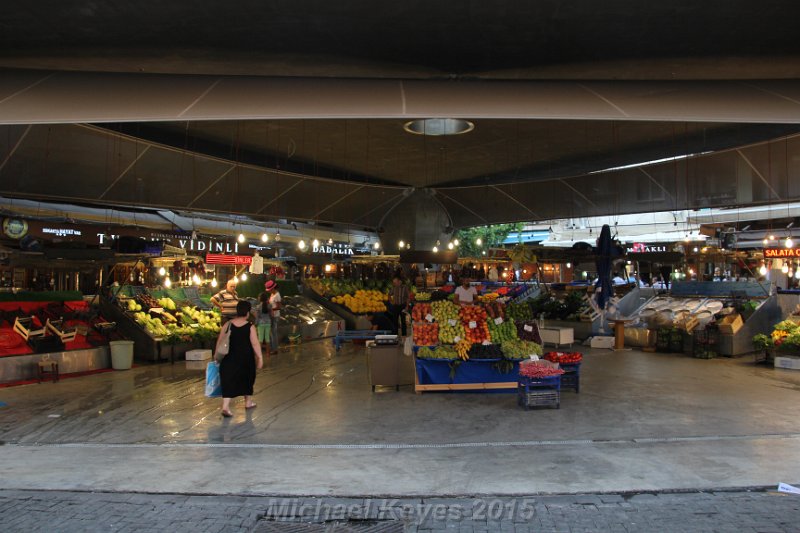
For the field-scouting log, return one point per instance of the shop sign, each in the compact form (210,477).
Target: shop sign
(333,249)
(62,232)
(190,245)
(221,259)
(778,253)
(643,248)
(15,228)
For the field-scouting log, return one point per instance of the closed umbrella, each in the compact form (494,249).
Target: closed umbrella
(604,251)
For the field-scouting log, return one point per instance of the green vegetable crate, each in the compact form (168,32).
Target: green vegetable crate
(669,340)
(705,343)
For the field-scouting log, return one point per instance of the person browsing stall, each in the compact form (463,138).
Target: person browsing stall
(226,301)
(380,322)
(398,301)
(275,307)
(466,294)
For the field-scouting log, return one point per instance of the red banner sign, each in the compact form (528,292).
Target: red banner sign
(221,259)
(780,253)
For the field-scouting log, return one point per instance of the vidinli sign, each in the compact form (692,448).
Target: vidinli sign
(780,253)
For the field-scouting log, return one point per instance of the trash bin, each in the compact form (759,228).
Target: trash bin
(121,354)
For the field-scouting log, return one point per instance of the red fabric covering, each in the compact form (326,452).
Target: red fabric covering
(30,307)
(9,347)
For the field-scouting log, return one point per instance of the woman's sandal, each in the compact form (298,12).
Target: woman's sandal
(227,414)
(252,406)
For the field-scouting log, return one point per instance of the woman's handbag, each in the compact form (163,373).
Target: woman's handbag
(223,343)
(213,383)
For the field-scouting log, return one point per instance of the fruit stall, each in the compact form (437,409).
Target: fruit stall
(162,323)
(471,347)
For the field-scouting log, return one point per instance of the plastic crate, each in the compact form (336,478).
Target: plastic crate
(571,378)
(538,397)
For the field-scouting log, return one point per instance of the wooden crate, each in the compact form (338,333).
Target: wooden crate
(730,324)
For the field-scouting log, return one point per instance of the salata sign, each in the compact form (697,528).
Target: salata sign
(781,253)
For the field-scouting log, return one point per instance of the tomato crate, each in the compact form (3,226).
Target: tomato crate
(571,379)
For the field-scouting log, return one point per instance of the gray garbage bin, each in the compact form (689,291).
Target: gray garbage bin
(121,354)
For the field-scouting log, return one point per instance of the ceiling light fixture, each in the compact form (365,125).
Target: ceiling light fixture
(167,282)
(456,242)
(763,270)
(377,246)
(789,242)
(214,282)
(785,268)
(243,277)
(315,243)
(330,241)
(162,271)
(301,244)
(439,126)
(435,249)
(479,242)
(264,237)
(240,238)
(401,244)
(450,246)
(277,236)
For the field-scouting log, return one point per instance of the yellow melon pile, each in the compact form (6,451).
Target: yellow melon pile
(363,301)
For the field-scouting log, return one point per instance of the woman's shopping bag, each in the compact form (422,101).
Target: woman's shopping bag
(213,383)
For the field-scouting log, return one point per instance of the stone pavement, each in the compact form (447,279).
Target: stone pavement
(753,511)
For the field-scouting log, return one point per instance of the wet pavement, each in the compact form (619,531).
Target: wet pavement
(642,421)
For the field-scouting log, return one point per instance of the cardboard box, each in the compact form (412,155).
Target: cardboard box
(196,365)
(198,355)
(602,342)
(730,324)
(788,362)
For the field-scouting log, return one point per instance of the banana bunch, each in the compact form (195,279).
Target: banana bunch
(462,348)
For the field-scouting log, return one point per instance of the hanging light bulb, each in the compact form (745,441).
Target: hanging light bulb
(789,243)
(377,246)
(765,241)
(455,242)
(264,237)
(301,245)
(484,252)
(797,273)
(408,246)
(401,244)
(162,271)
(240,238)
(763,270)
(569,265)
(236,279)
(277,236)
(167,282)
(450,246)
(785,268)
(214,282)
(243,277)
(772,237)
(315,243)
(478,241)
(435,249)
(196,279)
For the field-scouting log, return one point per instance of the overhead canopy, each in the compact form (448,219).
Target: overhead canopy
(295,110)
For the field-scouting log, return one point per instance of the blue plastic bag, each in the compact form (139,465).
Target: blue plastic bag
(213,384)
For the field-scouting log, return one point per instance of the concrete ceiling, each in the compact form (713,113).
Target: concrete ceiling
(295,109)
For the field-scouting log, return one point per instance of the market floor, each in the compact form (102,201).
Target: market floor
(642,421)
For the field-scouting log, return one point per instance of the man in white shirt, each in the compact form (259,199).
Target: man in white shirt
(275,308)
(465,294)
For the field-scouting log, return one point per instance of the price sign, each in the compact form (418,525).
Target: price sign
(486,343)
(456,339)
(527,328)
(451,322)
(473,324)
(534,357)
(429,317)
(498,320)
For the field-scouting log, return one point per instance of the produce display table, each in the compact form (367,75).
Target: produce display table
(358,334)
(473,374)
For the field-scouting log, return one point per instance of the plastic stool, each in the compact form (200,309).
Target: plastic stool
(48,368)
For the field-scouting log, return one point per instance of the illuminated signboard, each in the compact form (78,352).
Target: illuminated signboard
(780,253)
(220,259)
(642,248)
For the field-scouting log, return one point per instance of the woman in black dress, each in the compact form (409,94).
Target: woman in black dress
(237,371)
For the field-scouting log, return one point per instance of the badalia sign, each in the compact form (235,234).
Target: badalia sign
(644,248)
(340,248)
(780,253)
